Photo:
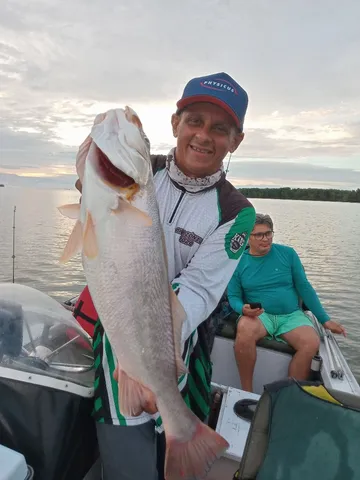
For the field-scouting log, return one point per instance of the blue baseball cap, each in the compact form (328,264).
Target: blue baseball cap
(219,89)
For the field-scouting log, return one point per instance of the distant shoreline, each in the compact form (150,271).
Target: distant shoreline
(314,194)
(279,193)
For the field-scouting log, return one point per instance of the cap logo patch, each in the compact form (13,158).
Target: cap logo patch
(219,85)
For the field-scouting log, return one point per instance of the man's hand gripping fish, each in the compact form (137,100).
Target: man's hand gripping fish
(119,233)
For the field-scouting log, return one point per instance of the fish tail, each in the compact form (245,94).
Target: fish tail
(193,457)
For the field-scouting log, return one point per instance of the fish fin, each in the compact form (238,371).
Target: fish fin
(131,213)
(74,243)
(133,396)
(84,149)
(71,210)
(193,458)
(90,242)
(81,157)
(178,317)
(132,117)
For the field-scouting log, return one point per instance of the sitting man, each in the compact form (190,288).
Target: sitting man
(272,274)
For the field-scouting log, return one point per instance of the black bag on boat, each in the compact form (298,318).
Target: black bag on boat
(301,430)
(52,429)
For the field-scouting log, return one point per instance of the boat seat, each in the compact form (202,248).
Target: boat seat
(227,329)
(323,445)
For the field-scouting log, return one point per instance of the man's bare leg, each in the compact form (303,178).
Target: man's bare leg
(306,342)
(249,331)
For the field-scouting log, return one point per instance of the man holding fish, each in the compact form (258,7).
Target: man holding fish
(160,238)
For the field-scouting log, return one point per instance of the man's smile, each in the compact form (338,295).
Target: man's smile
(204,151)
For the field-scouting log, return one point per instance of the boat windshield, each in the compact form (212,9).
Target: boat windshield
(39,336)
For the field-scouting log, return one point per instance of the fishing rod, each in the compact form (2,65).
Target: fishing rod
(227,168)
(13,252)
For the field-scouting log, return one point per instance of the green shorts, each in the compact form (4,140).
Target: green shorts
(277,325)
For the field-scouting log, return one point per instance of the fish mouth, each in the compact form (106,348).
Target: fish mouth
(111,174)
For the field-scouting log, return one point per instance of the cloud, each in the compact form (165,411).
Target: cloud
(280,174)
(133,47)
(20,149)
(63,62)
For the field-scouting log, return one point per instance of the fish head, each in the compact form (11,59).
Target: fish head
(122,149)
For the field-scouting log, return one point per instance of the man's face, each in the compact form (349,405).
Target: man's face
(260,240)
(205,134)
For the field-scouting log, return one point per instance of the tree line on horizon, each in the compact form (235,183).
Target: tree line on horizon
(317,194)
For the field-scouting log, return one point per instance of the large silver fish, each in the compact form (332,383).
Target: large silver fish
(119,232)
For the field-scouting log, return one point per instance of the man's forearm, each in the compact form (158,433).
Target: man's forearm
(202,283)
(312,301)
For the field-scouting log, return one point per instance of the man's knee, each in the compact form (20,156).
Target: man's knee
(313,344)
(310,344)
(248,329)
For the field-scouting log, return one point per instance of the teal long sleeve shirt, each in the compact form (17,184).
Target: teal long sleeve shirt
(277,280)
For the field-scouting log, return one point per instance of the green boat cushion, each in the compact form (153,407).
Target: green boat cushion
(301,431)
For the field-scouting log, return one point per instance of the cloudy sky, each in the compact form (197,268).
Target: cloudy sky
(61,62)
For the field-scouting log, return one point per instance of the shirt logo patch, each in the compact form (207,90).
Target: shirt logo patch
(188,238)
(237,241)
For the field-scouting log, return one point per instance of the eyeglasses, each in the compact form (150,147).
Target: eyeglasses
(261,235)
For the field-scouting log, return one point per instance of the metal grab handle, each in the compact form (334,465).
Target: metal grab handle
(335,367)
(332,343)
(333,371)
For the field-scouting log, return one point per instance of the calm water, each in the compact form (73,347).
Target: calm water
(326,236)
